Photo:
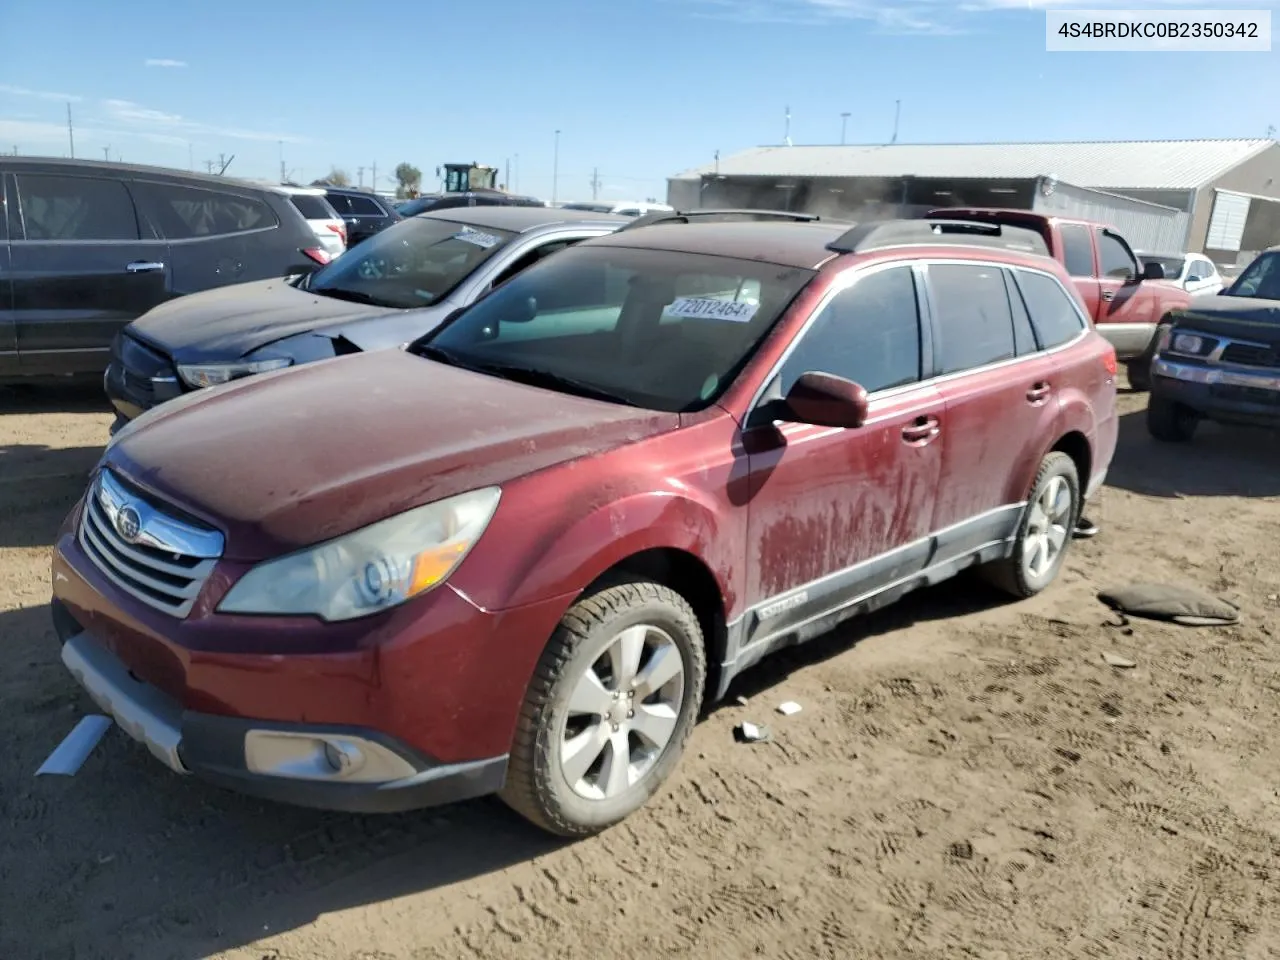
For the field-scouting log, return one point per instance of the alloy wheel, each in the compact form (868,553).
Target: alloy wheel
(1048,528)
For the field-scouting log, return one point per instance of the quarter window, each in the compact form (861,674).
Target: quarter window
(869,333)
(974,317)
(1077,250)
(186,212)
(1117,261)
(76,208)
(1055,317)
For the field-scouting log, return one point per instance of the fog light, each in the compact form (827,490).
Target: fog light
(1188,343)
(344,757)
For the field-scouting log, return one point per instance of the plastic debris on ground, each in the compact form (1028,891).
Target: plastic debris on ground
(751,733)
(788,708)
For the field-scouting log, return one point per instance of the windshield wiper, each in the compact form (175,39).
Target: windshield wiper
(355,296)
(439,354)
(556,381)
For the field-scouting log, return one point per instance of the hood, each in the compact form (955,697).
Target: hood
(1241,318)
(230,322)
(287,459)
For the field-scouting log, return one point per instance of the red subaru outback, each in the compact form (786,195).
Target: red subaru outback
(520,555)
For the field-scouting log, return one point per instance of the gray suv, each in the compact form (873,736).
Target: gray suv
(393,288)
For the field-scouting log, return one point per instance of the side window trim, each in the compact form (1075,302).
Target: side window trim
(846,281)
(1014,289)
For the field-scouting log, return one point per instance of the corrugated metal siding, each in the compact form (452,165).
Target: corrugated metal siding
(1146,226)
(1141,164)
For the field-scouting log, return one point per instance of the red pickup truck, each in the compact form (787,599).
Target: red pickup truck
(1125,301)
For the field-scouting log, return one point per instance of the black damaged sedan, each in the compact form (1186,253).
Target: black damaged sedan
(1219,358)
(382,293)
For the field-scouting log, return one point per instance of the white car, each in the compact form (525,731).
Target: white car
(623,208)
(329,228)
(1194,272)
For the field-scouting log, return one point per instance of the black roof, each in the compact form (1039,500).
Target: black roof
(139,170)
(519,219)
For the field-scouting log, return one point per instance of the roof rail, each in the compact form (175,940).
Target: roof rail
(684,216)
(937,232)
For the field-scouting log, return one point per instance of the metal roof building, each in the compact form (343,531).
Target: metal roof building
(1219,196)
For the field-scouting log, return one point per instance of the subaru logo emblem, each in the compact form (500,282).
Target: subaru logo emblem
(128,524)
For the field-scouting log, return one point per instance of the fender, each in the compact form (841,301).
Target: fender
(573,532)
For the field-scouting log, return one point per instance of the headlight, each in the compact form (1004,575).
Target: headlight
(1188,343)
(371,569)
(211,374)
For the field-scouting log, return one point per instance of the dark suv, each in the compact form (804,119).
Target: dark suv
(515,557)
(363,212)
(86,247)
(1219,358)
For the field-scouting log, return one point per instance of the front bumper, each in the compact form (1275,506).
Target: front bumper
(430,691)
(1222,394)
(277,761)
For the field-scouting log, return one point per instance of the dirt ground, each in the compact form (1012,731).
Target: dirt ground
(968,777)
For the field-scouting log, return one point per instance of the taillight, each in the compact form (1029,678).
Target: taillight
(1109,360)
(319,254)
(340,229)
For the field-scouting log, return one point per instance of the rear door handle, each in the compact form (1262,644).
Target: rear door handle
(921,430)
(1108,295)
(1039,392)
(144,266)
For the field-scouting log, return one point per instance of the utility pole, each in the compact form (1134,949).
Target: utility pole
(71,132)
(897,115)
(209,164)
(283,178)
(222,163)
(507,178)
(517,186)
(191,157)
(374,178)
(786,137)
(595,182)
(844,120)
(555,169)
(360,177)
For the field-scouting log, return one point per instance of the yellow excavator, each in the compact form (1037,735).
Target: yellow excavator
(467,177)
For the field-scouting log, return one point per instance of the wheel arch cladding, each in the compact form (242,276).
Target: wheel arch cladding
(1076,445)
(687,575)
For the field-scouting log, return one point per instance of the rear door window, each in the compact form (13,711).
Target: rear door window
(76,208)
(184,213)
(975,321)
(1077,249)
(363,207)
(1053,313)
(869,333)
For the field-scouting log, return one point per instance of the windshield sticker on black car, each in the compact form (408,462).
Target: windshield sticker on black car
(486,240)
(696,308)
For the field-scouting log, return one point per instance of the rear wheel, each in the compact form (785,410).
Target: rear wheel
(1169,421)
(1044,532)
(610,707)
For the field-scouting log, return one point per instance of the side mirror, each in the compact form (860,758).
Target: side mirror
(522,311)
(1152,271)
(825,400)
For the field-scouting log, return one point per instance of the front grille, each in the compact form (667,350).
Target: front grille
(1251,355)
(164,561)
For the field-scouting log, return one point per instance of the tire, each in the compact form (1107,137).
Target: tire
(1022,573)
(543,783)
(1169,421)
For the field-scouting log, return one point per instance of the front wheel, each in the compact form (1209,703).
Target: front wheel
(611,705)
(1169,421)
(1044,533)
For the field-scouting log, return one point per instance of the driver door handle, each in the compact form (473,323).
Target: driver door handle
(1039,391)
(1108,295)
(921,430)
(144,266)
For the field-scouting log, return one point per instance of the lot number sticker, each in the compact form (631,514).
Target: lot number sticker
(694,308)
(485,240)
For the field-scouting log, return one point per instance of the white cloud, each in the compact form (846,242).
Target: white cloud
(5,89)
(128,114)
(938,17)
(164,63)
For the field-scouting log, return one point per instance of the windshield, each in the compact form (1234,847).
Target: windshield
(654,328)
(412,263)
(1261,279)
(1172,265)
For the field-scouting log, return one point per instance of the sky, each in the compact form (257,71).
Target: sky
(639,90)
